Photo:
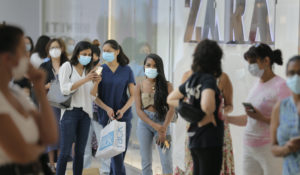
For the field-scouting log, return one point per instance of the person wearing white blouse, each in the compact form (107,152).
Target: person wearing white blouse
(76,77)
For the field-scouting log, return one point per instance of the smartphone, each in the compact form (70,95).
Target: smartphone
(99,70)
(249,107)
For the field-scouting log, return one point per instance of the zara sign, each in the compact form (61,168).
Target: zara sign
(234,11)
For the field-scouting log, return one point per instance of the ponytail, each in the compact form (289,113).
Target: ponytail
(121,58)
(277,57)
(261,51)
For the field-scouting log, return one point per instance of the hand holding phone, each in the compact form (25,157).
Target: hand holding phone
(99,70)
(249,107)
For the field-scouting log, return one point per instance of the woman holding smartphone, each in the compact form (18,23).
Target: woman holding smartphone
(285,130)
(76,77)
(269,88)
(154,114)
(113,101)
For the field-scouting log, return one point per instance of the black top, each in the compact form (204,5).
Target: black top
(47,66)
(208,135)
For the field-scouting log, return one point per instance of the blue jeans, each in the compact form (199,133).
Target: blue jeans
(117,166)
(105,163)
(146,134)
(75,125)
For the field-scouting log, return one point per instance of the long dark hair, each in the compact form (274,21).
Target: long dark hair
(82,45)
(261,51)
(40,46)
(121,58)
(207,58)
(63,56)
(10,37)
(161,87)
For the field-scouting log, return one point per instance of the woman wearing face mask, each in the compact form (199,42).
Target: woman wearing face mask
(285,128)
(39,52)
(57,57)
(24,130)
(96,127)
(76,78)
(270,88)
(29,46)
(117,78)
(155,114)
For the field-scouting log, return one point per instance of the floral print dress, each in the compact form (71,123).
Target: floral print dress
(228,160)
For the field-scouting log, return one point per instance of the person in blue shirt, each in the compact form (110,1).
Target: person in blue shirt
(285,122)
(113,100)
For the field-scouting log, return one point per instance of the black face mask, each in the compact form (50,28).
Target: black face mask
(96,62)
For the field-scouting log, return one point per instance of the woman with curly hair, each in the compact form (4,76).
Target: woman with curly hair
(201,92)
(154,114)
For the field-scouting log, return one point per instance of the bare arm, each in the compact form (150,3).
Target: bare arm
(129,102)
(13,144)
(240,120)
(227,93)
(174,97)
(208,106)
(279,151)
(171,111)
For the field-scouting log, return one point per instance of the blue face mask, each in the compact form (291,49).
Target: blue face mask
(108,56)
(151,73)
(84,60)
(294,83)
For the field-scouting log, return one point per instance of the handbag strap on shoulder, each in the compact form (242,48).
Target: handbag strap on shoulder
(71,70)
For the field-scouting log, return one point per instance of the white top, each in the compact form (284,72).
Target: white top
(27,126)
(36,60)
(82,97)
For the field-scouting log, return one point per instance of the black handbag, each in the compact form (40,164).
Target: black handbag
(190,113)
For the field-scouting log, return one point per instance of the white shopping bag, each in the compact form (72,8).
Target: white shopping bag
(112,140)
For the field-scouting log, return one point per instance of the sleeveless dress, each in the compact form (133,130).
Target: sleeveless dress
(288,128)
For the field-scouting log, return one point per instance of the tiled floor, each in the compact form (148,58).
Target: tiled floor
(132,160)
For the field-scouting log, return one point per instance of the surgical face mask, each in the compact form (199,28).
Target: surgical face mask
(84,60)
(108,56)
(55,52)
(255,71)
(151,73)
(28,47)
(19,71)
(294,83)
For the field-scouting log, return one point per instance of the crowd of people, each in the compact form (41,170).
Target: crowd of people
(34,132)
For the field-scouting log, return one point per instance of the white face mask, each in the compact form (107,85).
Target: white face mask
(22,68)
(255,71)
(55,52)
